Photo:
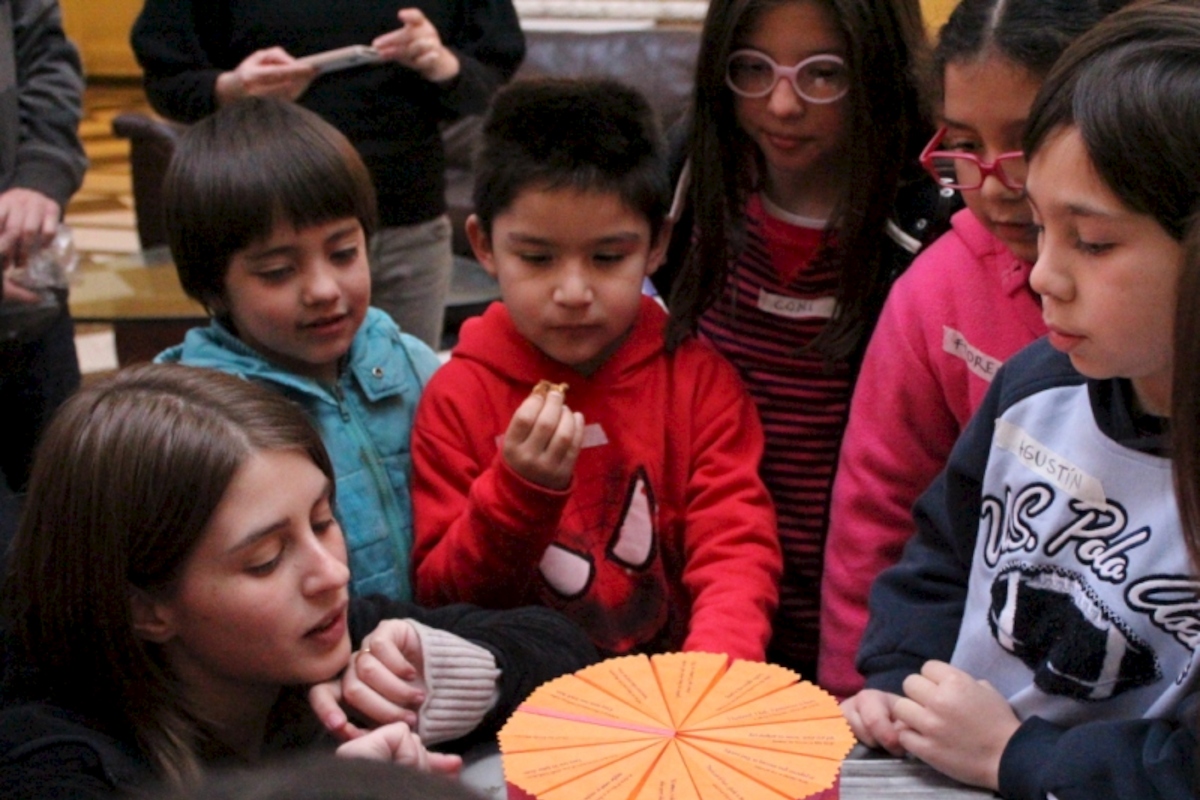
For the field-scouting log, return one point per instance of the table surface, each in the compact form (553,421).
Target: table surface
(138,287)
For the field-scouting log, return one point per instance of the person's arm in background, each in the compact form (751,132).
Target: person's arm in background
(41,158)
(469,60)
(188,71)
(180,76)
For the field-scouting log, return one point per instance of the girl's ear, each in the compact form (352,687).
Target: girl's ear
(151,618)
(481,244)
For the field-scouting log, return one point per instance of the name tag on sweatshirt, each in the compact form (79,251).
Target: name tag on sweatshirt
(796,307)
(1039,458)
(980,363)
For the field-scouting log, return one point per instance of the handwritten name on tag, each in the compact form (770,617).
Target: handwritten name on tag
(796,307)
(980,363)
(1050,465)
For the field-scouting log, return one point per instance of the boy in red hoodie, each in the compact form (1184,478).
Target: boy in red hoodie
(638,510)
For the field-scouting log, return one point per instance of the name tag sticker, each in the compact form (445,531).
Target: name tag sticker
(796,307)
(980,363)
(593,436)
(1050,465)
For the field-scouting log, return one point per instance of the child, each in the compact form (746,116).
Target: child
(960,311)
(1048,561)
(200,583)
(638,511)
(268,209)
(794,184)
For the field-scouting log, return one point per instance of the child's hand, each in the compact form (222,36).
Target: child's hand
(384,683)
(871,718)
(417,45)
(955,723)
(543,440)
(272,72)
(398,744)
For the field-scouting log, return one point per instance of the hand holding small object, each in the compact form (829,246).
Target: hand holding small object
(28,221)
(417,45)
(272,72)
(384,683)
(543,439)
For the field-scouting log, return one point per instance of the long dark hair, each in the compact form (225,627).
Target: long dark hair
(1185,394)
(124,482)
(887,125)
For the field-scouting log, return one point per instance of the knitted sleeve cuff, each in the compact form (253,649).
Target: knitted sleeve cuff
(460,685)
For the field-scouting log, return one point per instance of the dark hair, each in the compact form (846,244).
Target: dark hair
(1131,87)
(887,123)
(1185,394)
(124,482)
(589,134)
(318,776)
(1030,33)
(236,174)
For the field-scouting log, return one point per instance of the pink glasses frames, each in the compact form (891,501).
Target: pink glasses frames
(818,79)
(966,171)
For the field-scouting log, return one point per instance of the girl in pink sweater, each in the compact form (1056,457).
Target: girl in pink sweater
(959,312)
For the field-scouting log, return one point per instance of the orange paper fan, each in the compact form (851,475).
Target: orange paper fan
(680,726)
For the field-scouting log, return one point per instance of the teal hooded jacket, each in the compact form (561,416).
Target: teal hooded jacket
(365,420)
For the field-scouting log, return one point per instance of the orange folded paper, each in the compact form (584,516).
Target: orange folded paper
(679,726)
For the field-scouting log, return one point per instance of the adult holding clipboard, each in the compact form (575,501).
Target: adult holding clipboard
(433,61)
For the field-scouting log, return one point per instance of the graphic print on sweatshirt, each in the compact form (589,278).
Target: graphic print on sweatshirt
(1080,603)
(605,569)
(1073,643)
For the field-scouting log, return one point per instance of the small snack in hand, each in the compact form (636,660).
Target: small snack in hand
(545,387)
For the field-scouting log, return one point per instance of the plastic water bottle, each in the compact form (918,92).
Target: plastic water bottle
(46,273)
(51,266)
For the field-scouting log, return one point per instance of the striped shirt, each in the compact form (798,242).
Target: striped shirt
(774,305)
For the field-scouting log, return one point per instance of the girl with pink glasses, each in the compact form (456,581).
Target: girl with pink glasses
(801,202)
(959,312)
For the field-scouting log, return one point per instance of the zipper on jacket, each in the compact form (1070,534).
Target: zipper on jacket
(383,486)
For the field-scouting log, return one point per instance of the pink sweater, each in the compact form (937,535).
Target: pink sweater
(961,309)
